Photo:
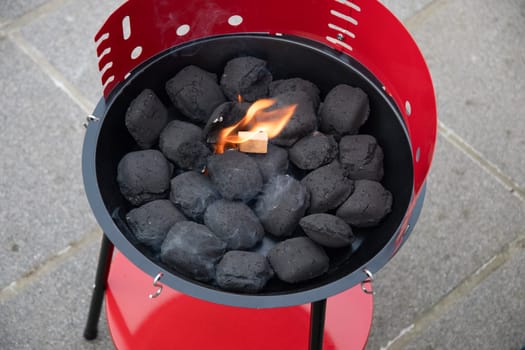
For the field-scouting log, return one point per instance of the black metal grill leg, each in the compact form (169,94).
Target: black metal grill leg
(317,317)
(104,262)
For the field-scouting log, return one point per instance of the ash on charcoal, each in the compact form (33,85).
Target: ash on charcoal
(278,87)
(192,193)
(327,230)
(243,271)
(298,259)
(151,222)
(236,175)
(281,205)
(272,163)
(362,157)
(181,142)
(303,121)
(193,249)
(195,92)
(143,176)
(225,115)
(344,110)
(246,76)
(234,223)
(328,186)
(367,206)
(313,151)
(145,118)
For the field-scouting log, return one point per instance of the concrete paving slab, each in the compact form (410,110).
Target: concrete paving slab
(466,219)
(476,53)
(406,8)
(65,38)
(50,313)
(492,316)
(11,9)
(43,207)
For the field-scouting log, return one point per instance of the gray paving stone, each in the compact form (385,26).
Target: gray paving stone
(65,37)
(491,316)
(406,8)
(467,218)
(50,313)
(476,53)
(42,202)
(11,9)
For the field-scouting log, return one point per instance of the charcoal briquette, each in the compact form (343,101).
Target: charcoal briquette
(193,249)
(281,205)
(243,271)
(367,206)
(234,223)
(145,118)
(298,259)
(362,157)
(195,93)
(235,175)
(192,193)
(272,163)
(143,176)
(344,110)
(303,121)
(327,230)
(313,151)
(181,142)
(328,186)
(225,115)
(247,77)
(278,87)
(151,222)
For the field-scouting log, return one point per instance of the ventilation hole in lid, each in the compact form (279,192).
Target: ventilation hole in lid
(408,108)
(183,30)
(235,20)
(126,28)
(343,17)
(349,4)
(418,154)
(136,52)
(339,42)
(341,30)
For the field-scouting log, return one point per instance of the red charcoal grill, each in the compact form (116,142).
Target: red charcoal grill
(144,43)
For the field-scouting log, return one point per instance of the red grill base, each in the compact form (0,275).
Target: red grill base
(177,321)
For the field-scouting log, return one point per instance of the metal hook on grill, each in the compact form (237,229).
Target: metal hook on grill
(158,285)
(90,118)
(369,279)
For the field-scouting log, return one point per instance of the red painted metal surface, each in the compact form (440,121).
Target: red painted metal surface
(177,321)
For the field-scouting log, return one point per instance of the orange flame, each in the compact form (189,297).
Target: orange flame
(257,119)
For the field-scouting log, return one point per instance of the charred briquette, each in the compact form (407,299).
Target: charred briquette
(145,118)
(235,175)
(234,223)
(143,176)
(327,230)
(151,222)
(195,93)
(303,121)
(192,193)
(362,157)
(242,271)
(278,87)
(367,206)
(344,110)
(193,249)
(181,143)
(313,151)
(225,115)
(281,205)
(298,259)
(247,77)
(328,186)
(272,163)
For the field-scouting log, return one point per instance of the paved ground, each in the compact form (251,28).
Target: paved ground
(459,283)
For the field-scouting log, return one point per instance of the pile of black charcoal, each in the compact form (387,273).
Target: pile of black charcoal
(206,214)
